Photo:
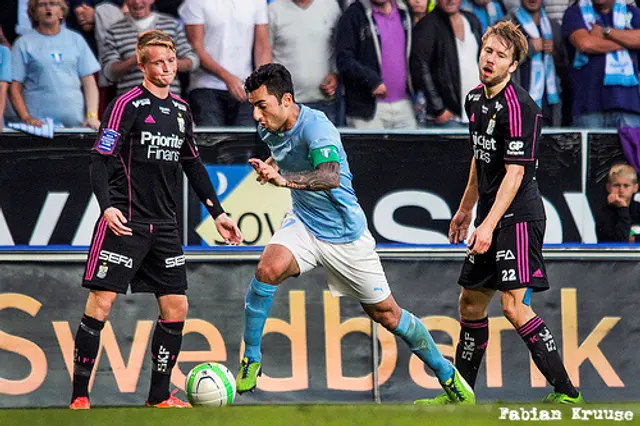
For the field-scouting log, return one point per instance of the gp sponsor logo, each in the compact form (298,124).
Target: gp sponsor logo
(174,262)
(116,258)
(515,148)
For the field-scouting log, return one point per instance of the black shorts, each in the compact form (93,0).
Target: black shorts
(151,260)
(513,261)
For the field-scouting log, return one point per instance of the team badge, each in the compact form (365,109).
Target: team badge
(180,122)
(492,125)
(102,271)
(108,140)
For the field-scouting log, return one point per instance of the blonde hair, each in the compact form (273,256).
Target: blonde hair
(512,37)
(152,38)
(623,170)
(32,8)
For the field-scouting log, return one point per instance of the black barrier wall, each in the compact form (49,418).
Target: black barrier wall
(408,184)
(317,348)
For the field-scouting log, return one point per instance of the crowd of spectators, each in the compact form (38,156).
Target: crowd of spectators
(367,64)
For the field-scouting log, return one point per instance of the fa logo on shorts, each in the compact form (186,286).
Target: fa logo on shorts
(504,254)
(102,271)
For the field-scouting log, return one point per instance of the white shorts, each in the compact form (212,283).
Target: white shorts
(353,269)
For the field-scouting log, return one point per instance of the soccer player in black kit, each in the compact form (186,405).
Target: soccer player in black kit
(144,143)
(505,250)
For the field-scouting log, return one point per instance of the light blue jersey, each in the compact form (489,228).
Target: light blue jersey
(5,64)
(50,68)
(333,215)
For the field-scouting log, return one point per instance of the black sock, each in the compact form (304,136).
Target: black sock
(545,355)
(165,347)
(474,337)
(85,353)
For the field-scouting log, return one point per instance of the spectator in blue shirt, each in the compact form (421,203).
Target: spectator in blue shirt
(5,78)
(602,39)
(52,71)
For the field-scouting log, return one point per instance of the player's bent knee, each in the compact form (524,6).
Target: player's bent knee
(270,274)
(173,307)
(387,319)
(470,310)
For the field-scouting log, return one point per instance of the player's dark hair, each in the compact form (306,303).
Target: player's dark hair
(275,77)
(512,37)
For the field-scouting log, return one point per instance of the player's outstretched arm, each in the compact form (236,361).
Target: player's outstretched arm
(324,177)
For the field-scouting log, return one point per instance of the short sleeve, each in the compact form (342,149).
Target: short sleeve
(19,61)
(318,134)
(189,149)
(520,124)
(5,64)
(87,62)
(262,14)
(116,125)
(572,21)
(192,12)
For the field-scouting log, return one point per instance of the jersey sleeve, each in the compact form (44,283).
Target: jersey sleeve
(189,150)
(5,64)
(324,142)
(520,124)
(117,122)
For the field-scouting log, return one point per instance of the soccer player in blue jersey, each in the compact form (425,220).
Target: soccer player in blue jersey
(327,227)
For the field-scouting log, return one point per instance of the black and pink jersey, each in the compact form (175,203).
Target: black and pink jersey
(505,130)
(143,140)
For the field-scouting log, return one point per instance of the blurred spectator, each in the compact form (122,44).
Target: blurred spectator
(5,75)
(444,61)
(301,35)
(81,18)
(615,221)
(488,12)
(419,8)
(169,7)
(9,19)
(554,8)
(52,71)
(119,61)
(544,71)
(373,47)
(226,35)
(602,40)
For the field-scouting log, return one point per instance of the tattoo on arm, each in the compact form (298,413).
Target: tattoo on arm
(326,176)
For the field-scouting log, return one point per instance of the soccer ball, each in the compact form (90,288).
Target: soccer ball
(210,385)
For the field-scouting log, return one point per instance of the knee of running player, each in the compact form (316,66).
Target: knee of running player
(269,273)
(99,304)
(514,309)
(385,314)
(471,309)
(173,307)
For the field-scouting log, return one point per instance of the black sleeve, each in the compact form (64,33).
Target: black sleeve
(201,184)
(113,133)
(347,41)
(520,124)
(422,53)
(195,171)
(613,225)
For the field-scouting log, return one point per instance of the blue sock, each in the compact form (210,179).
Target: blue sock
(257,306)
(415,334)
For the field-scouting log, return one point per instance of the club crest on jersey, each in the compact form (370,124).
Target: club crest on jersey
(108,140)
(180,122)
(102,271)
(492,125)
(57,57)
